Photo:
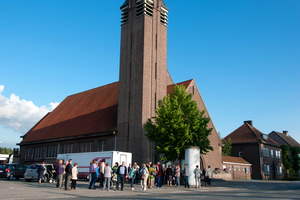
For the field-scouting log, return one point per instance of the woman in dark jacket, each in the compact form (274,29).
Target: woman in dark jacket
(169,174)
(41,172)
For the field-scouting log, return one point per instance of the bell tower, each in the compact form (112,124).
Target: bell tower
(143,73)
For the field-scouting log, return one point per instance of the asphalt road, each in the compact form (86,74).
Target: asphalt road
(220,190)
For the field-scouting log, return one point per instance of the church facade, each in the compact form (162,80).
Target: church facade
(112,117)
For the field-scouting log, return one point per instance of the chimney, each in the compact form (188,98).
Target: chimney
(285,133)
(249,122)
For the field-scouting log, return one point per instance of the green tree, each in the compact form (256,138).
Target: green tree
(226,149)
(295,152)
(4,150)
(286,160)
(179,123)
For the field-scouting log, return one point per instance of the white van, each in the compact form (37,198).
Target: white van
(84,159)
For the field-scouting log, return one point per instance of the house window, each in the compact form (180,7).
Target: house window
(102,145)
(266,152)
(239,168)
(27,154)
(37,152)
(66,148)
(267,169)
(277,154)
(272,153)
(279,170)
(84,147)
(51,151)
(240,154)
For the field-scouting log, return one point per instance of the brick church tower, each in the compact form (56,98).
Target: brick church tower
(143,73)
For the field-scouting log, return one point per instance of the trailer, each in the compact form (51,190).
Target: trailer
(84,159)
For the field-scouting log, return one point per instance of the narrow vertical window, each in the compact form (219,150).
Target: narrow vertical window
(155,70)
(155,101)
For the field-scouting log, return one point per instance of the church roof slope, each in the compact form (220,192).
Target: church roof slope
(92,111)
(248,134)
(186,84)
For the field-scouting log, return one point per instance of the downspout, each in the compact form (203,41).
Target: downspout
(260,166)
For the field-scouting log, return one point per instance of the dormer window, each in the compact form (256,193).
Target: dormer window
(265,136)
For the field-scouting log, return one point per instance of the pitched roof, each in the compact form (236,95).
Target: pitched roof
(288,139)
(186,84)
(248,134)
(92,111)
(231,159)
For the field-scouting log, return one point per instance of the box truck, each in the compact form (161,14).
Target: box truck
(84,159)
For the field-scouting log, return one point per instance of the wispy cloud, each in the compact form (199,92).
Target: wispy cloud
(21,115)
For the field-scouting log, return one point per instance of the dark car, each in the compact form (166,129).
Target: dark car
(12,170)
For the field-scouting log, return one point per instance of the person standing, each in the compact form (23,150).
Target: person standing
(169,175)
(177,175)
(41,172)
(204,176)
(60,173)
(74,176)
(102,167)
(136,180)
(122,172)
(132,175)
(159,173)
(107,176)
(209,174)
(197,173)
(152,174)
(185,174)
(163,176)
(93,174)
(145,174)
(68,174)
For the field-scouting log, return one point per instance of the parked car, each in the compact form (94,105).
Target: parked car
(31,173)
(12,170)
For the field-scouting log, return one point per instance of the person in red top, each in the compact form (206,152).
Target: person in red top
(159,173)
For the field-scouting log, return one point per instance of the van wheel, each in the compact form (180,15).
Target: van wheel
(28,180)
(11,177)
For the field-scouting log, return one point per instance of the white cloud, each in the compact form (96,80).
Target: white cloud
(21,115)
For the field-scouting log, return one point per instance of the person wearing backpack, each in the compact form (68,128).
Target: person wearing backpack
(152,174)
(197,173)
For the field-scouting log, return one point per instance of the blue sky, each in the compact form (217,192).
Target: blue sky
(243,55)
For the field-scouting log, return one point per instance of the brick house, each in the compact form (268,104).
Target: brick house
(111,117)
(237,168)
(283,138)
(258,149)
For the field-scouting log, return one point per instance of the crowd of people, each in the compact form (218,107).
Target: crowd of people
(148,175)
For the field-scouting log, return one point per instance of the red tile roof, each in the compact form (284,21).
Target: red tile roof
(246,134)
(92,111)
(186,84)
(231,159)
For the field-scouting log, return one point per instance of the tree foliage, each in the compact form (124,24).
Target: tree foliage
(179,123)
(226,149)
(285,158)
(295,152)
(4,150)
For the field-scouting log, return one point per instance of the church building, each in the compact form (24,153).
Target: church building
(111,117)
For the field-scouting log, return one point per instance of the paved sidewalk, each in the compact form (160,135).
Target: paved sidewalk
(219,190)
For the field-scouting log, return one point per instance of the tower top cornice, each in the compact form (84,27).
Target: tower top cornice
(126,3)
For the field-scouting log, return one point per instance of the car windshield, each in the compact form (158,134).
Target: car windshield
(33,167)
